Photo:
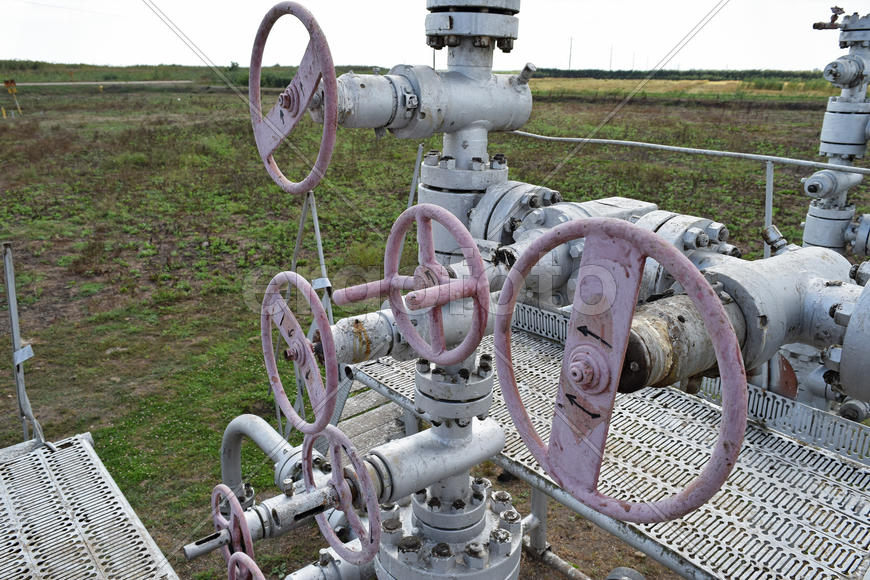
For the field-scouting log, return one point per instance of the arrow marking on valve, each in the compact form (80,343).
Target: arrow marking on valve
(584,330)
(573,400)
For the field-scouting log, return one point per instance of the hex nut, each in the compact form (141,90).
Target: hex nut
(481,484)
(447,163)
(500,542)
(432,159)
(391,531)
(442,559)
(832,358)
(718,232)
(500,501)
(409,549)
(325,558)
(511,521)
(475,555)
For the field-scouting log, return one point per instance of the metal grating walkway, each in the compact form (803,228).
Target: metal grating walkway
(62,517)
(789,510)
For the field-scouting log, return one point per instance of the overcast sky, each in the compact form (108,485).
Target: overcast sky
(639,33)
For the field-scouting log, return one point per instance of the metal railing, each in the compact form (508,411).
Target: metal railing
(769,161)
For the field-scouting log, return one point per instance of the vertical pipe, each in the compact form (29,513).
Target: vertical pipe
(768,203)
(416,181)
(538,536)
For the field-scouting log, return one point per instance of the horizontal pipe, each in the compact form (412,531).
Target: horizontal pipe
(621,530)
(418,461)
(555,562)
(692,151)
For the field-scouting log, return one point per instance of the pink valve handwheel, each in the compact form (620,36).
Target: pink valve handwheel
(275,310)
(607,290)
(241,566)
(369,538)
(317,67)
(236,525)
(432,287)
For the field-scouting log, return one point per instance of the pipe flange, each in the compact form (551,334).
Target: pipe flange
(861,245)
(506,6)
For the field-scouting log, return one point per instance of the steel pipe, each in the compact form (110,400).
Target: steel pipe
(262,434)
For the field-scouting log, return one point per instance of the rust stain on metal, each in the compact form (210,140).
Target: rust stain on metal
(362,341)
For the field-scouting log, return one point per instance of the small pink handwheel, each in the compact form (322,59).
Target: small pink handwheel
(241,566)
(317,67)
(432,287)
(275,311)
(610,276)
(369,537)
(236,525)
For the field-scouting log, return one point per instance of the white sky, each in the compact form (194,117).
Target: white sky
(773,34)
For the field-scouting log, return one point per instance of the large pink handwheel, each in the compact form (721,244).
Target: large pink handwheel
(317,67)
(240,535)
(241,566)
(275,311)
(369,536)
(607,290)
(433,288)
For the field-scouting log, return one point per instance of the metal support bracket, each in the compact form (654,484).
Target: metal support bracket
(20,352)
(322,283)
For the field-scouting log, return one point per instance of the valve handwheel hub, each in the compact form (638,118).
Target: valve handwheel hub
(610,276)
(432,289)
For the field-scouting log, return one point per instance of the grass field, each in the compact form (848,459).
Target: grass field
(145,228)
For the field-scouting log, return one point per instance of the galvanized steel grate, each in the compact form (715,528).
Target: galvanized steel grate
(63,517)
(788,510)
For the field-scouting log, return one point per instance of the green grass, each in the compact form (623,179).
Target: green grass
(145,230)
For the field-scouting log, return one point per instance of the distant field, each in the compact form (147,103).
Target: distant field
(567,87)
(755,84)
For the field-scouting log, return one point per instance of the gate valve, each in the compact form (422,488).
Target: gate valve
(363,490)
(299,350)
(432,288)
(610,276)
(241,566)
(234,523)
(316,68)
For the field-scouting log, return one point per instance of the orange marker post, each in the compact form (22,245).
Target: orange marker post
(13,90)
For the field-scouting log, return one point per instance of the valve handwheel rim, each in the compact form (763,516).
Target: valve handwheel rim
(316,68)
(275,311)
(605,299)
(476,286)
(241,566)
(369,538)
(236,525)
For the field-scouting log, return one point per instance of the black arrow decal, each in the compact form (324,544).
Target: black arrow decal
(573,400)
(584,330)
